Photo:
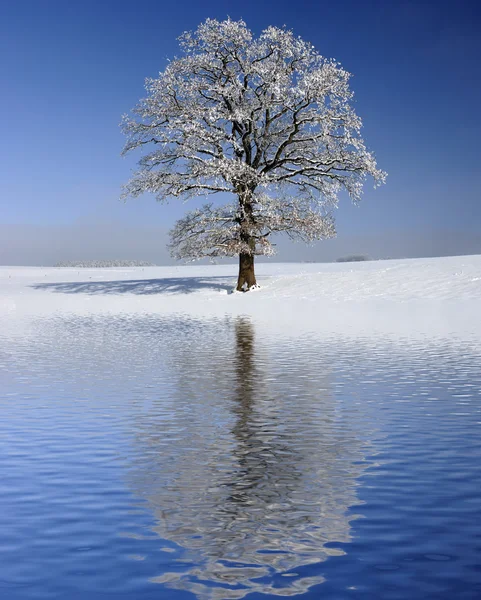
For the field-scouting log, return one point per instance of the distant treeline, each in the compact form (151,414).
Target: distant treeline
(102,264)
(353,258)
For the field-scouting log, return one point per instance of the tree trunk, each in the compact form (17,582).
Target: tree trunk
(247,278)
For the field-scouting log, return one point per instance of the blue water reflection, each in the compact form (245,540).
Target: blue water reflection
(179,458)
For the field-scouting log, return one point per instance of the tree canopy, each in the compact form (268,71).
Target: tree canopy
(266,119)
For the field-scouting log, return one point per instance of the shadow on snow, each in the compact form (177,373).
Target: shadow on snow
(170,285)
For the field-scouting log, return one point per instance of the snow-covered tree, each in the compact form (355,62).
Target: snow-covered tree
(266,119)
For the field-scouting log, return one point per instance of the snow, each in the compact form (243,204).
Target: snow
(427,298)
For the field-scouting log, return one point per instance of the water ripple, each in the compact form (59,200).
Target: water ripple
(180,458)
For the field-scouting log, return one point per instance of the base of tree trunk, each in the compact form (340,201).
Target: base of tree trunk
(247,278)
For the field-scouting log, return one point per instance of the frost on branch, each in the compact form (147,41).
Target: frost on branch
(207,232)
(267,119)
(214,232)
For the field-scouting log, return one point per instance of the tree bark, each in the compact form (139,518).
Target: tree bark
(247,278)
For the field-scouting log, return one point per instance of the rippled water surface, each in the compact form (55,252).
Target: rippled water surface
(178,458)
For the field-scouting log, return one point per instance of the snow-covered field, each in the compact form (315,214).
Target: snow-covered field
(438,297)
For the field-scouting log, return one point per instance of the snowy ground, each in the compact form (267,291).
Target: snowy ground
(437,297)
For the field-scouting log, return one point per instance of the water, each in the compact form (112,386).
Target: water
(177,458)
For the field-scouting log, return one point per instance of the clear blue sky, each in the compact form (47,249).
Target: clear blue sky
(70,69)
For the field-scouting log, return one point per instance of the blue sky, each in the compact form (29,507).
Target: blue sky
(69,70)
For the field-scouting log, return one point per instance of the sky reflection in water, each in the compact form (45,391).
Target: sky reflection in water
(218,458)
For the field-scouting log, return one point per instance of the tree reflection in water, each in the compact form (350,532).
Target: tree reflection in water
(248,464)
